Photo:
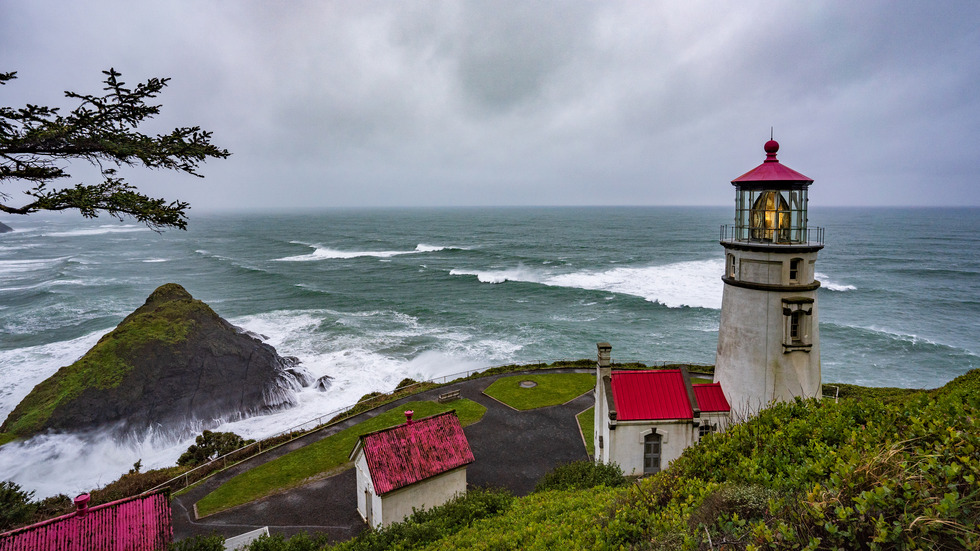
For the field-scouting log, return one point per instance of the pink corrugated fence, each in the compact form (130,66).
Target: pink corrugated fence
(140,523)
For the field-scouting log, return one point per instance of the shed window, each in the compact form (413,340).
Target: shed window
(705,429)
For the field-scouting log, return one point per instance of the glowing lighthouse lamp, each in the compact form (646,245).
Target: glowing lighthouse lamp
(768,337)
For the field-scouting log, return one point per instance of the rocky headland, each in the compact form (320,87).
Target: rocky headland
(172,367)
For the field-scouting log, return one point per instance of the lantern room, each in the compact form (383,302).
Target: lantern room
(770,204)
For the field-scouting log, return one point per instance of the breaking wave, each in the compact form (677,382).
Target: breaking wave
(325,253)
(694,283)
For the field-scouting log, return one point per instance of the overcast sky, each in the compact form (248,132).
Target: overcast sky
(364,103)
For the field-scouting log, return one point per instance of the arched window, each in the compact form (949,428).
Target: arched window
(770,217)
(795,270)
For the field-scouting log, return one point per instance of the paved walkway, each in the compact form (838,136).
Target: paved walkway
(512,449)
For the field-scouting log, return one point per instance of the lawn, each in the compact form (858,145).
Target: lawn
(586,424)
(551,389)
(321,457)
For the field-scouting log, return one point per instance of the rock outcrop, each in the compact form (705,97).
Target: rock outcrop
(173,366)
(5,228)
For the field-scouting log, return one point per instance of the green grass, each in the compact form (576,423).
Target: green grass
(7,437)
(321,457)
(586,424)
(552,389)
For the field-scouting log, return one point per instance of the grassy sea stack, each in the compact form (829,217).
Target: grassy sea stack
(172,366)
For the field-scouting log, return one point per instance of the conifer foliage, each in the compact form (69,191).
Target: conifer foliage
(37,142)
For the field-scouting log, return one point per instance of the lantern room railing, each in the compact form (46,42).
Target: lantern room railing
(771,236)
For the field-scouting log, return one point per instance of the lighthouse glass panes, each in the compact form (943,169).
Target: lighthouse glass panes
(770,215)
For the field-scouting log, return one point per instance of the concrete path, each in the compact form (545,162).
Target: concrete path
(513,450)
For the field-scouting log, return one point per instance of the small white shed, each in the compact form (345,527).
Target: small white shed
(417,465)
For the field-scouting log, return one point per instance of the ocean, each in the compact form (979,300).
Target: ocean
(372,296)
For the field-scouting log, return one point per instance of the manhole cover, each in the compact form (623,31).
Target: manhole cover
(528,384)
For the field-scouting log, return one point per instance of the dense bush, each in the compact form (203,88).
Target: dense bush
(581,475)
(864,473)
(209,445)
(211,542)
(16,505)
(424,527)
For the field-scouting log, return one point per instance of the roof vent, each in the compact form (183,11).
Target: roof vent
(81,504)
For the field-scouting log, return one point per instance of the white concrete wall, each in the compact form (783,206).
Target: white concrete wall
(626,442)
(397,505)
(751,364)
(363,483)
(435,491)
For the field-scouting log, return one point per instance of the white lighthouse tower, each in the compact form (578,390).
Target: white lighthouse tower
(768,338)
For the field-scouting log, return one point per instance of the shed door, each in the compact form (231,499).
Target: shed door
(368,512)
(651,453)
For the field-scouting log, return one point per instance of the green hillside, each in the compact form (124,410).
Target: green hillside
(881,469)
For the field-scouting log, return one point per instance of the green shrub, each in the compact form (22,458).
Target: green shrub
(210,445)
(581,475)
(211,542)
(299,542)
(424,527)
(16,505)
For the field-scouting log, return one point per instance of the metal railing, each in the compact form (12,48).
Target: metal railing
(732,233)
(330,419)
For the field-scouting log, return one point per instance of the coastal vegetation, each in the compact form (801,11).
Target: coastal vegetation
(321,458)
(876,469)
(547,389)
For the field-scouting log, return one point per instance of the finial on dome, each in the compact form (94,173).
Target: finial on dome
(771,147)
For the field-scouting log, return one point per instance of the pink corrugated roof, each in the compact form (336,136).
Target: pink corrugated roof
(410,453)
(658,394)
(710,397)
(140,523)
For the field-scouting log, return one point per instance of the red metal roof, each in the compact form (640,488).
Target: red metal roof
(658,394)
(710,397)
(415,451)
(772,170)
(140,523)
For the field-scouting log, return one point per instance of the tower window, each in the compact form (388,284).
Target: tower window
(730,269)
(797,312)
(794,269)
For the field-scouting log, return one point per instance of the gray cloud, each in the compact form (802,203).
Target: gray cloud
(462,103)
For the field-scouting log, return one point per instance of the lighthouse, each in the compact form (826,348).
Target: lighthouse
(768,337)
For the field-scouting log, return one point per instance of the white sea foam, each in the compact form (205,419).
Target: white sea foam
(26,266)
(155,260)
(830,285)
(326,253)
(70,464)
(21,369)
(101,230)
(693,283)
